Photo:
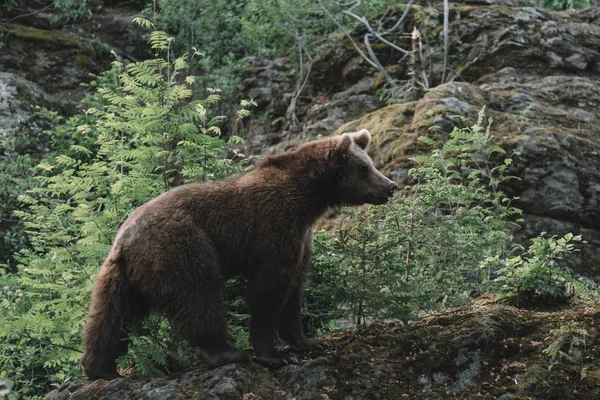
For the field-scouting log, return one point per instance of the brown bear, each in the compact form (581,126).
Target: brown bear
(174,253)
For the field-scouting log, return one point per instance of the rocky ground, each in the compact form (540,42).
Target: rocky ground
(44,61)
(484,351)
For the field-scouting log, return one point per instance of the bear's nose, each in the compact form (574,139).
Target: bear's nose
(392,187)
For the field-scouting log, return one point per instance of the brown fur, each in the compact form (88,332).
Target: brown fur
(174,252)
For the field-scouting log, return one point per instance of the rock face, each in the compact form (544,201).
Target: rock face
(487,351)
(17,94)
(536,72)
(319,114)
(59,57)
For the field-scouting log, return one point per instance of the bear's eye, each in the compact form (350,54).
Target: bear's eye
(364,169)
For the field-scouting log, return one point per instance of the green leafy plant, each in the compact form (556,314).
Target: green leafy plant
(6,386)
(72,10)
(16,167)
(154,347)
(536,275)
(143,131)
(568,342)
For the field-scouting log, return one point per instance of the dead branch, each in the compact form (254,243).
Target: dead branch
(345,32)
(290,113)
(417,65)
(375,60)
(372,31)
(445,40)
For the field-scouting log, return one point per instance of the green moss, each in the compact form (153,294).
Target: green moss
(263,384)
(83,61)
(388,127)
(535,380)
(29,33)
(395,70)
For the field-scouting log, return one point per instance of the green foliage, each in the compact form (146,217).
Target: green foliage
(237,312)
(68,10)
(536,275)
(228,31)
(560,5)
(73,10)
(143,132)
(6,386)
(421,252)
(215,29)
(214,26)
(567,340)
(15,177)
(20,150)
(9,5)
(154,347)
(275,26)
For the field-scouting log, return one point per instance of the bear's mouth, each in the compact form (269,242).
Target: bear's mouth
(379,199)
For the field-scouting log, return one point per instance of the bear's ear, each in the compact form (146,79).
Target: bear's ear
(342,145)
(362,138)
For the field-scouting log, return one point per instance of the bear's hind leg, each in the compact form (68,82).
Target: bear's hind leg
(200,319)
(115,303)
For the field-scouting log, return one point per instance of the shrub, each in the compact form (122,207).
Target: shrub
(536,275)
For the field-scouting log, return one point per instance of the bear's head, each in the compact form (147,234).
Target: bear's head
(336,169)
(358,182)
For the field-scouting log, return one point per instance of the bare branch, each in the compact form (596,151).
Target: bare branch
(403,17)
(423,73)
(417,65)
(302,81)
(353,4)
(374,58)
(290,113)
(445,40)
(372,31)
(34,12)
(345,32)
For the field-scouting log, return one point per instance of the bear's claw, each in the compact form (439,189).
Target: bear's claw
(278,361)
(314,345)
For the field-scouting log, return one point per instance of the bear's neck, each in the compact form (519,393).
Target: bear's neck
(304,193)
(315,193)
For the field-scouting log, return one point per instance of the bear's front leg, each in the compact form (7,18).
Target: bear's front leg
(266,298)
(290,325)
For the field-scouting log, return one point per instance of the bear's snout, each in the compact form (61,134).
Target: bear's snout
(381,193)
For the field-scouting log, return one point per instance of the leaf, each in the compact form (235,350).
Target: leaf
(426,140)
(143,22)
(568,236)
(159,40)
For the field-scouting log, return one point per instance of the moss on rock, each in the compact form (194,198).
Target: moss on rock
(55,37)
